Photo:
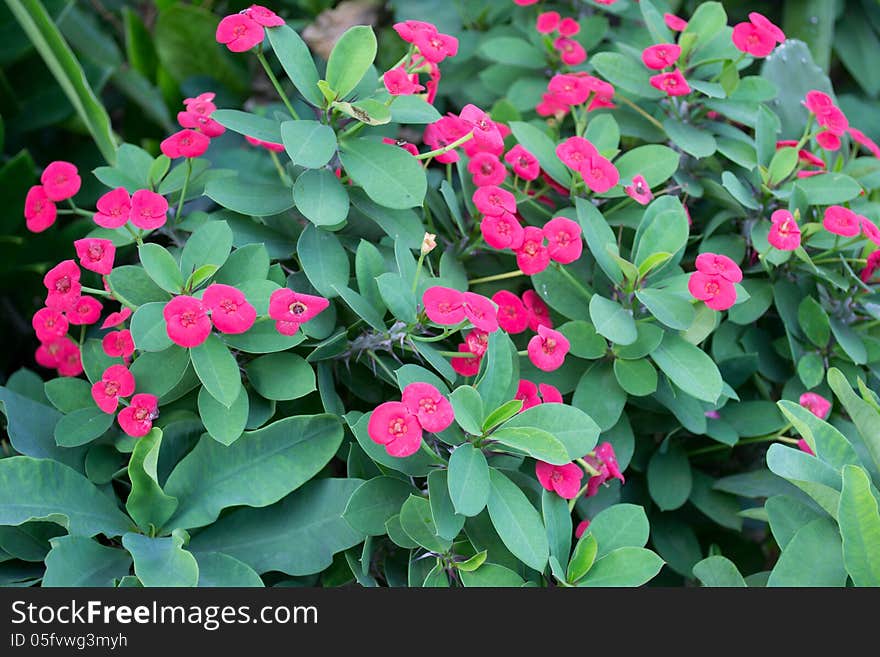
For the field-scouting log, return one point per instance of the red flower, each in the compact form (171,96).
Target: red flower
(49,324)
(716,291)
(69,359)
(204,124)
(570,51)
(148,209)
(486,169)
(268,145)
(115,319)
(547,350)
(584,525)
(502,231)
(784,234)
(605,452)
(512,314)
(116,382)
(532,257)
(828,140)
(640,190)
(870,229)
(539,313)
(400,83)
(576,152)
(527,393)
(486,132)
(569,27)
(407,30)
(660,56)
(136,419)
(563,239)
(39,210)
(57,353)
(186,321)
(604,92)
(289,309)
(465,366)
(804,446)
(675,23)
(435,46)
(600,174)
(443,132)
(525,165)
(816,404)
(444,305)
(114,209)
(721,265)
(871,267)
(828,115)
(86,310)
(549,394)
(480,311)
(393,425)
(185,143)
(95,254)
(60,181)
(765,24)
(477,342)
(230,311)
(753,40)
(550,105)
(569,89)
(118,344)
(432,409)
(492,200)
(263,16)
(564,480)
(62,282)
(201,105)
(841,221)
(239,32)
(673,84)
(547,22)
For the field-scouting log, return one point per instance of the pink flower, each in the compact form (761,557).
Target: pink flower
(804,446)
(62,282)
(764,23)
(239,32)
(49,324)
(784,234)
(828,140)
(569,27)
(639,191)
(816,404)
(871,267)
(116,382)
(549,394)
(465,366)
(185,143)
(86,310)
(492,200)
(399,83)
(716,291)
(443,132)
(435,46)
(502,231)
(114,208)
(39,211)
(721,265)
(753,40)
(870,229)
(480,311)
(605,452)
(539,313)
(268,145)
(570,51)
(576,152)
(186,321)
(201,104)
(115,319)
(95,254)
(289,309)
(477,342)
(532,257)
(118,344)
(486,169)
(673,84)
(393,425)
(841,221)
(407,30)
(675,23)
(564,480)
(603,93)
(432,409)
(547,349)
(512,314)
(486,132)
(148,209)
(444,305)
(604,461)
(661,55)
(547,22)
(569,89)
(412,149)
(60,181)
(204,124)
(861,138)
(263,16)
(818,102)
(525,3)
(52,352)
(584,525)
(525,165)
(527,393)
(550,105)
(136,419)
(600,174)
(230,311)
(69,359)
(563,239)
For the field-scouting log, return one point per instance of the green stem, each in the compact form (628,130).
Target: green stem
(415,282)
(276,84)
(457,354)
(639,110)
(279,168)
(748,441)
(91,290)
(84,213)
(178,215)
(496,277)
(440,151)
(136,236)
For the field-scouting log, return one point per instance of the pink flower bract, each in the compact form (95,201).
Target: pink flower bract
(118,344)
(399,83)
(289,309)
(661,55)
(547,350)
(673,84)
(502,231)
(785,234)
(39,210)
(136,419)
(512,314)
(563,239)
(539,313)
(116,382)
(239,32)
(525,165)
(431,408)
(185,143)
(444,305)
(674,23)
(186,321)
(564,480)
(114,208)
(393,425)
(532,256)
(49,324)
(148,209)
(716,291)
(95,254)
(263,16)
(816,404)
(715,263)
(547,22)
(600,174)
(480,311)
(841,221)
(230,311)
(492,200)
(640,190)
(86,310)
(60,181)
(62,283)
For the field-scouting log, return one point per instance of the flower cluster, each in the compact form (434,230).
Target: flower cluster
(565,480)
(830,117)
(198,128)
(116,383)
(580,155)
(398,426)
(187,320)
(533,395)
(713,281)
(60,181)
(566,91)
(242,31)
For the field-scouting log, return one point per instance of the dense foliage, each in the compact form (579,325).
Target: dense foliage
(545,294)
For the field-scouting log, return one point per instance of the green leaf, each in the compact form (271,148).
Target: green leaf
(813,557)
(82,426)
(36,22)
(418,524)
(413,110)
(667,307)
(863,414)
(250,262)
(557,521)
(636,377)
(281,376)
(263,338)
(161,561)
(220,570)
(718,571)
(576,430)
(217,369)
(499,372)
(612,320)
(688,367)
(350,59)
(255,199)
(69,394)
(309,144)
(535,442)
(783,163)
(374,503)
(600,396)
(582,558)
(323,260)
(620,525)
(147,504)
(297,62)
(161,267)
(148,328)
(447,521)
(160,371)
(829,189)
(859,522)
(470,565)
(210,244)
(849,341)
(297,536)
(362,308)
(655,162)
(625,566)
(44,489)
(389,175)
(245,123)
(491,575)
(468,407)
(831,446)
(367,111)
(501,414)
(537,142)
(258,469)
(814,322)
(689,138)
(786,515)
(76,561)
(513,52)
(225,425)
(517,522)
(624,72)
(669,478)
(468,480)
(585,342)
(133,287)
(598,235)
(663,229)
(818,480)
(721,507)
(321,198)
